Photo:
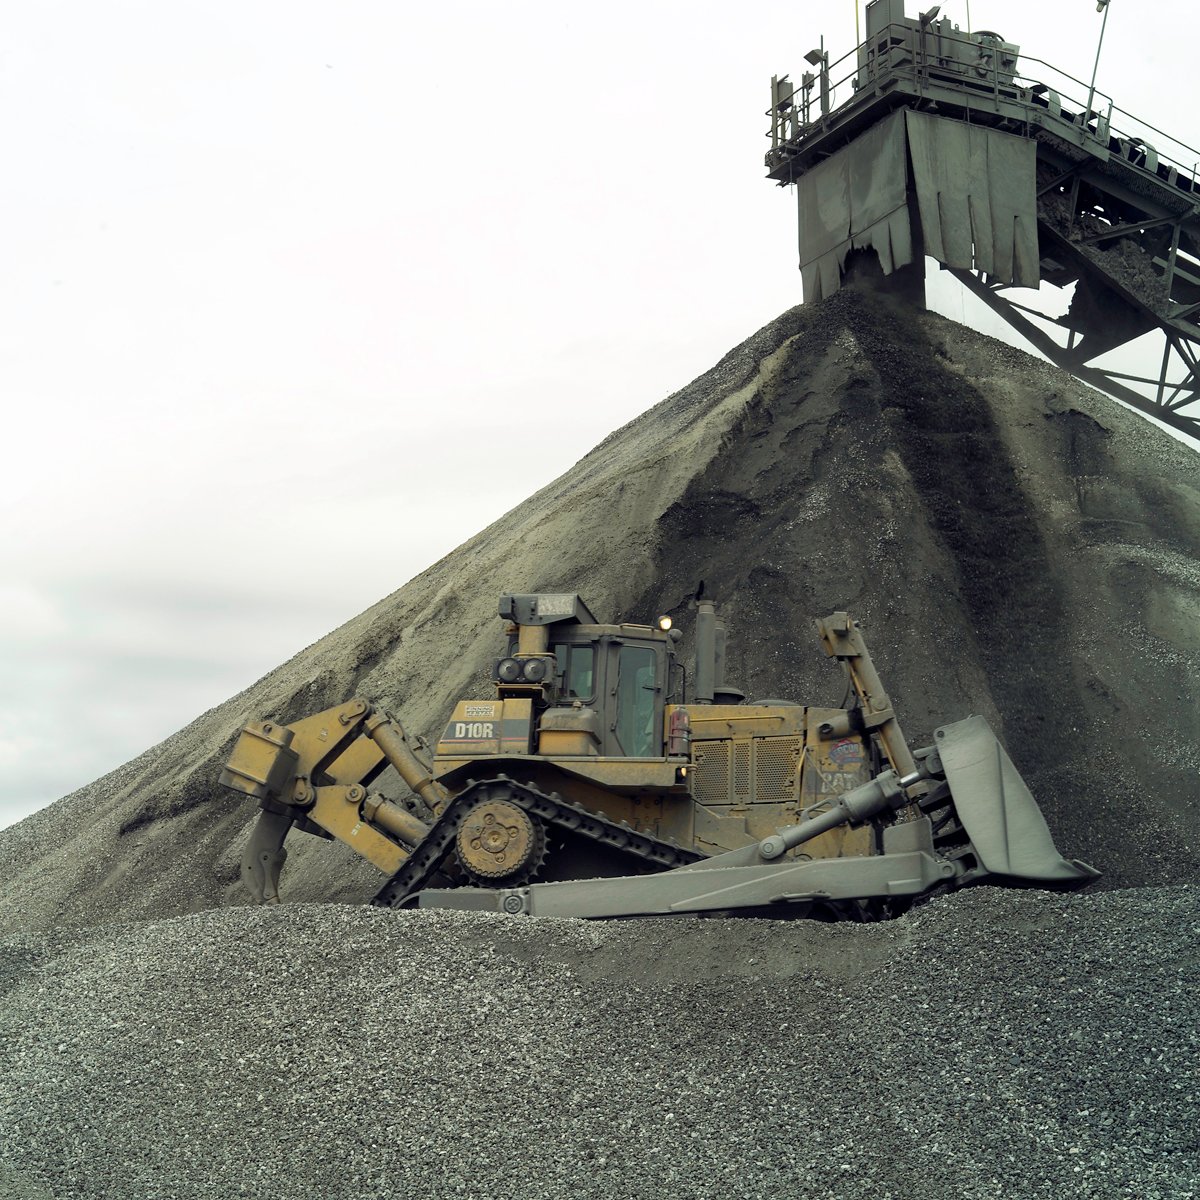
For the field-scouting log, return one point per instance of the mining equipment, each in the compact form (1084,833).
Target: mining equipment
(930,140)
(600,781)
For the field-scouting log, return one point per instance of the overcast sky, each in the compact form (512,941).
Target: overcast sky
(287,285)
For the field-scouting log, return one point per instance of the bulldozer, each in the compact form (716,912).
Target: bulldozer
(600,781)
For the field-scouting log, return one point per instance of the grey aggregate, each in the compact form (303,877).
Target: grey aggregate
(1014,544)
(990,1044)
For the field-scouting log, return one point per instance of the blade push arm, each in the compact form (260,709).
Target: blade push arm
(1009,841)
(842,639)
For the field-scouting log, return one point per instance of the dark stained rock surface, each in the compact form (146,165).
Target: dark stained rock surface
(1013,543)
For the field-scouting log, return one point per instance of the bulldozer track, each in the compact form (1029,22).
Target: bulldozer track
(550,808)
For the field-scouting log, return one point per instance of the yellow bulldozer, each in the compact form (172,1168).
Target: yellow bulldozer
(601,781)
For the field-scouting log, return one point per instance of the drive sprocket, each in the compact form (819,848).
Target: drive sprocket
(500,845)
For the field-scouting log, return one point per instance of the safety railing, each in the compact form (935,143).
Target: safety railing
(976,66)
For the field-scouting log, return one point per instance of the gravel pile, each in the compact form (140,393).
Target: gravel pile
(991,1044)
(1015,545)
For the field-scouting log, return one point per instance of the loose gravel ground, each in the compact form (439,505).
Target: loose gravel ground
(991,1044)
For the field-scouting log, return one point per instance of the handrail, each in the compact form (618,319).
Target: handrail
(1175,154)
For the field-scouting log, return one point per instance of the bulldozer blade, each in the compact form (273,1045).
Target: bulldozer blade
(264,856)
(998,811)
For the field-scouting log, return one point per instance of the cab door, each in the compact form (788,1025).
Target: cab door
(636,697)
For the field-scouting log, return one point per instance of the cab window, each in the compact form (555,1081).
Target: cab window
(636,697)
(577,666)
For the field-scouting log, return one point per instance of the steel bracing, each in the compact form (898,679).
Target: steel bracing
(1117,202)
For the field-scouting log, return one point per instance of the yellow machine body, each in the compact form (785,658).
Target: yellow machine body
(592,760)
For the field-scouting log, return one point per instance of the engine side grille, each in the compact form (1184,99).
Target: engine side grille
(711,782)
(775,773)
(741,772)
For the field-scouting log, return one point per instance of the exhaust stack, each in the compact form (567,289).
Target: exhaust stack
(706,651)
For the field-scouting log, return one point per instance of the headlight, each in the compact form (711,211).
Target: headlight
(534,670)
(508,670)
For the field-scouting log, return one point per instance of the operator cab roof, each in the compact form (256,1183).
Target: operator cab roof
(546,608)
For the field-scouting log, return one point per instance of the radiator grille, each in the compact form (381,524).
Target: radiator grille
(775,776)
(741,771)
(712,773)
(761,770)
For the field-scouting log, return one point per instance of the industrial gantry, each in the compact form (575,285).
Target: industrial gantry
(945,148)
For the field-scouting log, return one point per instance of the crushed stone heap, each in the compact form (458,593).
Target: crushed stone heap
(1013,544)
(991,1043)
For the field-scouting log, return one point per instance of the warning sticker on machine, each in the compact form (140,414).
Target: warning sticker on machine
(846,751)
(480,710)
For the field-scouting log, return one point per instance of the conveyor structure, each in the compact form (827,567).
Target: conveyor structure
(943,146)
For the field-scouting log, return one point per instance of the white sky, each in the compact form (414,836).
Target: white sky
(297,297)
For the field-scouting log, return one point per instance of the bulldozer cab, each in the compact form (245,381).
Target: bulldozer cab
(623,678)
(588,689)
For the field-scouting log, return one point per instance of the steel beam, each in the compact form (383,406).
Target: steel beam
(1167,408)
